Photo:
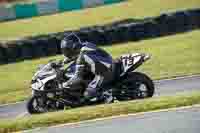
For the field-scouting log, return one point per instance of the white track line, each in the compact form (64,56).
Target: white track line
(22,115)
(178,78)
(3,105)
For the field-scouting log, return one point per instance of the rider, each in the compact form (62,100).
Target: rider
(87,56)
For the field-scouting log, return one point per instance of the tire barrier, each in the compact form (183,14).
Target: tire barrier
(40,47)
(194,18)
(52,47)
(172,23)
(117,32)
(3,57)
(12,51)
(26,49)
(182,21)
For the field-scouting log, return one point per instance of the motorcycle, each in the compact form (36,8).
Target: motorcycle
(49,95)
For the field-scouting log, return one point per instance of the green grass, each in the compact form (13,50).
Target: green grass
(88,113)
(171,56)
(93,16)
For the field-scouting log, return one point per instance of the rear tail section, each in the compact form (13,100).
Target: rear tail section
(132,61)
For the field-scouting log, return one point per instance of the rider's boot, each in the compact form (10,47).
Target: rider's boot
(108,97)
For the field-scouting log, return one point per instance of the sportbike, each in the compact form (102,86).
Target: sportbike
(49,95)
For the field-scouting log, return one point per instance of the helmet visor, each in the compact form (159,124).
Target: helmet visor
(70,53)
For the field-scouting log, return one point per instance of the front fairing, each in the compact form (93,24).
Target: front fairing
(39,85)
(43,74)
(44,71)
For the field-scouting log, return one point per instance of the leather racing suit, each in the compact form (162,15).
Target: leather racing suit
(99,62)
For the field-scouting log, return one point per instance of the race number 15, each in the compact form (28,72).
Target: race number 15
(128,60)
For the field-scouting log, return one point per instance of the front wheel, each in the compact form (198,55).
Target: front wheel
(136,85)
(36,105)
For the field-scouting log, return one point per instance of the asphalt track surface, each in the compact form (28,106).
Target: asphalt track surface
(162,87)
(186,120)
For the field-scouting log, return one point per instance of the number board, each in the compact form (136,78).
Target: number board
(130,59)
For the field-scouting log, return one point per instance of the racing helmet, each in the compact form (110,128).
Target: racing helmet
(71,45)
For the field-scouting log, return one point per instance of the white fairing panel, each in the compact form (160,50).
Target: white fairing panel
(130,60)
(39,85)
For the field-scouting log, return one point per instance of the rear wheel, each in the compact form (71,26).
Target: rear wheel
(136,86)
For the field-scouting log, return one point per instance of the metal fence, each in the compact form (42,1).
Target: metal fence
(27,10)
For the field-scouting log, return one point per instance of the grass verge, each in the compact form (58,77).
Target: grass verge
(171,56)
(93,16)
(88,113)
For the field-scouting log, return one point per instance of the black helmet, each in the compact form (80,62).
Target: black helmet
(71,45)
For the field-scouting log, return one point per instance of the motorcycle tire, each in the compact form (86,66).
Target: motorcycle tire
(30,106)
(138,77)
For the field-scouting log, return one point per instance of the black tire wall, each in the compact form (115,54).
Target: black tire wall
(116,32)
